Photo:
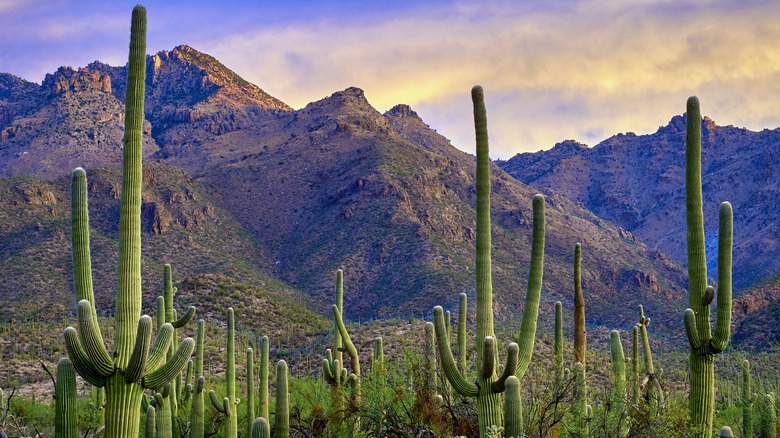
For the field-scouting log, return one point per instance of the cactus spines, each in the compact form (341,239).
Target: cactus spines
(66,407)
(703,344)
(558,346)
(85,347)
(227,406)
(489,385)
(250,391)
(462,308)
(580,336)
(619,383)
(747,401)
(260,428)
(282,416)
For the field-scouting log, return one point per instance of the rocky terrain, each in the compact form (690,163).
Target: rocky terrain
(243,189)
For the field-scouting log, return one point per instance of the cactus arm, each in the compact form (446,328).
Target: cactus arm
(447,317)
(172,368)
(462,307)
(159,351)
(489,356)
(511,365)
(689,318)
(513,408)
(326,371)
(723,313)
(338,343)
(137,363)
(186,318)
(82,363)
(93,343)
(348,345)
(460,384)
(82,263)
(221,406)
(533,296)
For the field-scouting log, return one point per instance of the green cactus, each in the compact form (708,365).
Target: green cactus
(65,401)
(489,385)
(282,416)
(580,410)
(768,419)
(429,384)
(655,393)
(197,414)
(726,432)
(462,350)
(132,366)
(580,335)
(378,358)
(264,378)
(229,403)
(250,391)
(513,409)
(558,347)
(635,366)
(260,428)
(747,400)
(619,396)
(163,415)
(704,346)
(151,427)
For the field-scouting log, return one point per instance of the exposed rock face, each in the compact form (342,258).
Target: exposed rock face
(638,183)
(66,80)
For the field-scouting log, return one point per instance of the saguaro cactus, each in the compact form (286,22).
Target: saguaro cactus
(747,401)
(378,358)
(768,420)
(229,404)
(619,384)
(462,350)
(260,428)
(580,335)
(264,378)
(132,366)
(655,392)
(489,385)
(250,391)
(197,416)
(282,416)
(704,346)
(581,408)
(66,417)
(558,347)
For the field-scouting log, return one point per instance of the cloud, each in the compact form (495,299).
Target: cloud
(551,70)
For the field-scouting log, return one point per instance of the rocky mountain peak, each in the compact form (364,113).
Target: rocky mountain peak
(402,110)
(66,80)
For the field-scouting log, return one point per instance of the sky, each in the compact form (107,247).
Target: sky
(552,70)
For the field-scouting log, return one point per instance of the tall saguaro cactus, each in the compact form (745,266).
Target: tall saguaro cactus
(747,401)
(619,384)
(704,345)
(132,366)
(228,406)
(490,385)
(580,336)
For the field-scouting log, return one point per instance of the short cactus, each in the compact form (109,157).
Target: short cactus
(260,428)
(378,358)
(619,384)
(747,400)
(650,383)
(282,416)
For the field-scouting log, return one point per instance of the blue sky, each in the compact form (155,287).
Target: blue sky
(552,70)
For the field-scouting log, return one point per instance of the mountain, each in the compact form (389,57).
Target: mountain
(283,198)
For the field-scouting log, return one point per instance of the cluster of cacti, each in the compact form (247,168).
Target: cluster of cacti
(132,366)
(704,345)
(490,385)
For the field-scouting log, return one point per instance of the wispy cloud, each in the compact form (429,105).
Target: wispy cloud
(552,70)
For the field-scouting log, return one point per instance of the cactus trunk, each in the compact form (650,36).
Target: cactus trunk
(65,400)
